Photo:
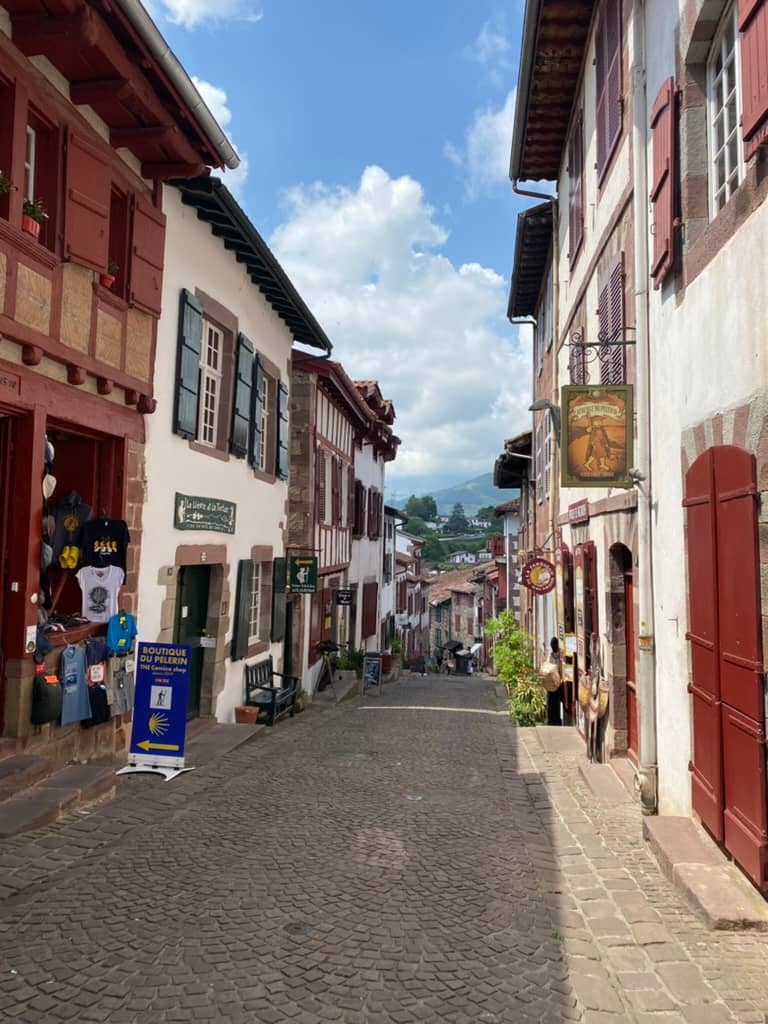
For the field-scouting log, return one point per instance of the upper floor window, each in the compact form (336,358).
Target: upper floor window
(211,375)
(576,189)
(263,386)
(29,164)
(726,166)
(254,616)
(608,99)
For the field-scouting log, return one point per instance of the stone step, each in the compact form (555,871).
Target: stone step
(20,772)
(65,790)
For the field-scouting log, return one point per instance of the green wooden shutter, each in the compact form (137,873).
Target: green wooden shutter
(188,366)
(279,568)
(241,622)
(282,433)
(257,405)
(241,407)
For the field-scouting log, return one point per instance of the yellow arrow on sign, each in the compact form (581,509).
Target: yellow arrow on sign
(148,745)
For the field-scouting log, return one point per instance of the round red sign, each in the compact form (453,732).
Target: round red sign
(538,575)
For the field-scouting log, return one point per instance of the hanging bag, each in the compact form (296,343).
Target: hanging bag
(549,674)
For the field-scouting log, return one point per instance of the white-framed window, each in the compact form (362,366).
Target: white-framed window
(263,425)
(254,619)
(211,364)
(29,164)
(726,162)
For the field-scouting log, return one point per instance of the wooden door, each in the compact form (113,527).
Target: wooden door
(727,766)
(191,618)
(629,652)
(6,447)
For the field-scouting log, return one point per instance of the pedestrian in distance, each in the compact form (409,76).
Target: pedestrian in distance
(554,692)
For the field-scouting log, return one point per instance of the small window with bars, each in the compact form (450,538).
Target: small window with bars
(726,160)
(211,370)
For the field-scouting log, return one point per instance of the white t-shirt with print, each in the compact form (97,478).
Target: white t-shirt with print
(100,588)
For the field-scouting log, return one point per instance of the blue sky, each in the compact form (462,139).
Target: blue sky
(375,139)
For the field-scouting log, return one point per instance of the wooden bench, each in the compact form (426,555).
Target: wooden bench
(273,701)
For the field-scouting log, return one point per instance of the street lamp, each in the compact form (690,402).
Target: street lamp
(544,403)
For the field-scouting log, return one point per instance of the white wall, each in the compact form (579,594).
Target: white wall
(194,258)
(367,555)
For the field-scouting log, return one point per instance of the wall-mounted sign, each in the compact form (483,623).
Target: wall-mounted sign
(596,441)
(193,513)
(578,512)
(344,597)
(302,574)
(538,575)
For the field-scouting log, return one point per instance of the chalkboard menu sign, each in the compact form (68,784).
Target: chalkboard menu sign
(371,670)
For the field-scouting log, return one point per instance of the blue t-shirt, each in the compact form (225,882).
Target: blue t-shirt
(75,702)
(121,632)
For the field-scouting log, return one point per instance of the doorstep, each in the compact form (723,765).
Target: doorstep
(67,789)
(713,886)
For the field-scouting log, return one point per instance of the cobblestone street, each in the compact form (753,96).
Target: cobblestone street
(404,858)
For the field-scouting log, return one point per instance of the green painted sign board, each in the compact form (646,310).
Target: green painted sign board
(191,512)
(302,574)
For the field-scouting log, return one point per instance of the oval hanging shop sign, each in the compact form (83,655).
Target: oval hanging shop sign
(538,575)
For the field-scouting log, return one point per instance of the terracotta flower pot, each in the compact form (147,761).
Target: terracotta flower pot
(106,280)
(246,715)
(30,225)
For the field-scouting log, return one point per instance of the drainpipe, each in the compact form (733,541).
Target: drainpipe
(647,772)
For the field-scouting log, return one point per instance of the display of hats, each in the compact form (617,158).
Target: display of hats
(69,557)
(49,485)
(46,554)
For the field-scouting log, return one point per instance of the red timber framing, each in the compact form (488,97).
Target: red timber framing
(728,771)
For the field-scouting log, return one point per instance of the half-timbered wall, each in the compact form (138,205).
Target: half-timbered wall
(335,453)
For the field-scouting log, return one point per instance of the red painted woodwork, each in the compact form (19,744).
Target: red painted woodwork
(728,769)
(370,606)
(6,491)
(663,181)
(320,485)
(704,685)
(576,189)
(350,496)
(608,83)
(147,253)
(753,35)
(611,322)
(87,203)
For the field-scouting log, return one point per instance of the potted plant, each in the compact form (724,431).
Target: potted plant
(5,184)
(108,279)
(32,216)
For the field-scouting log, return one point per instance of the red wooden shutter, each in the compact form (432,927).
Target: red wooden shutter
(320,485)
(335,491)
(611,323)
(576,189)
(315,625)
(147,254)
(86,207)
(370,604)
(753,35)
(663,183)
(609,103)
(745,816)
(350,497)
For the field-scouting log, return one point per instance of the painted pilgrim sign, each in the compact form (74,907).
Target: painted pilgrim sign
(596,436)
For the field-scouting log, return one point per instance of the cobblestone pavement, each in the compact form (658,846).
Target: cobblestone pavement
(407,858)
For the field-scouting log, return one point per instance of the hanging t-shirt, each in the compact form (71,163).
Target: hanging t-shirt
(122,688)
(75,702)
(121,633)
(100,588)
(70,514)
(104,542)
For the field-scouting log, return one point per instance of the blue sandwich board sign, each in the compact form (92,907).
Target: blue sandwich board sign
(160,710)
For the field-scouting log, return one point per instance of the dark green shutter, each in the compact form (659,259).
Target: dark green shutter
(282,433)
(278,599)
(188,366)
(241,407)
(257,405)
(242,619)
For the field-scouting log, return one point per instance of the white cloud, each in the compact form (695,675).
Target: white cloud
(484,158)
(490,47)
(191,13)
(369,262)
(215,99)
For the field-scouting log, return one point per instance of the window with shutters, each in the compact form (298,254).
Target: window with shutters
(547,451)
(611,323)
(370,609)
(538,463)
(664,177)
(263,398)
(608,97)
(41,173)
(254,618)
(726,161)
(211,379)
(576,189)
(119,233)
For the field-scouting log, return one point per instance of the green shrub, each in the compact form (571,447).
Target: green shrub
(350,661)
(395,646)
(513,660)
(527,700)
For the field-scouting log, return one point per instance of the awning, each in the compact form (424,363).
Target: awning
(475,648)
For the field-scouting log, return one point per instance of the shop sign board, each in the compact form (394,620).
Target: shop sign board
(578,512)
(538,575)
(160,708)
(302,574)
(596,441)
(371,670)
(195,513)
(344,597)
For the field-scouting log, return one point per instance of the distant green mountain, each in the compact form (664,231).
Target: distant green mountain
(472,494)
